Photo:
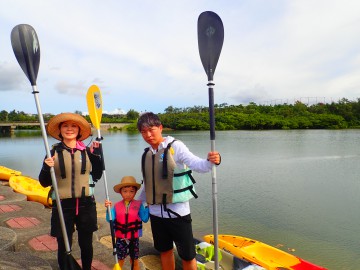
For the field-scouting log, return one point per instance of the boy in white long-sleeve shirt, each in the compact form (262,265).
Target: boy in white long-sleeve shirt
(166,168)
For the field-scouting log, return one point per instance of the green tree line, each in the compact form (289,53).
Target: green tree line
(336,115)
(19,116)
(340,115)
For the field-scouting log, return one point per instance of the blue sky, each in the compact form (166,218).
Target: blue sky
(144,54)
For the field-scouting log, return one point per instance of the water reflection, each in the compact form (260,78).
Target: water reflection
(20,134)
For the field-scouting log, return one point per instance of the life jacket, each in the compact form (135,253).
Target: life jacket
(69,167)
(164,182)
(128,224)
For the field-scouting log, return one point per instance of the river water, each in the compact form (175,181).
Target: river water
(298,190)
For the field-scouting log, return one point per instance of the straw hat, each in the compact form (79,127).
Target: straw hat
(126,181)
(53,126)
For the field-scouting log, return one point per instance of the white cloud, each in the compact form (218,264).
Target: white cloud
(147,58)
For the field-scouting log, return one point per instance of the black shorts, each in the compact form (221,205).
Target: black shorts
(167,231)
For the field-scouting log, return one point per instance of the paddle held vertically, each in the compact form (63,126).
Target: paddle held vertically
(94,104)
(26,47)
(210,40)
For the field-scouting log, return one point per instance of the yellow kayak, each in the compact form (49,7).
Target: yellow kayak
(260,253)
(31,188)
(6,173)
(205,256)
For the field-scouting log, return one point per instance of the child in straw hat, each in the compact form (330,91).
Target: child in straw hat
(128,215)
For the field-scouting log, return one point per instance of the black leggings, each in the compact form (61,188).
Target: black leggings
(79,213)
(85,244)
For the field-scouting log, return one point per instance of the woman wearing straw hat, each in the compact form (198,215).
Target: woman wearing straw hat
(73,163)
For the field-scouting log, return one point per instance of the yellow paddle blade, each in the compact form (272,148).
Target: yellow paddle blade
(94,103)
(117,267)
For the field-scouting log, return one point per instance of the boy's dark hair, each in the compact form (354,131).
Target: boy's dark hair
(148,120)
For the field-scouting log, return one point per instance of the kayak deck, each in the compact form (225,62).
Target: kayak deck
(31,188)
(6,173)
(261,253)
(227,261)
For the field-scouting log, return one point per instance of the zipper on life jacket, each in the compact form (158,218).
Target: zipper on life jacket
(72,174)
(126,218)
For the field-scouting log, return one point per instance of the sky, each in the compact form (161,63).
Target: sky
(144,55)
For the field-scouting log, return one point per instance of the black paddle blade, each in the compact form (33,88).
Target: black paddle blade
(70,263)
(210,40)
(26,48)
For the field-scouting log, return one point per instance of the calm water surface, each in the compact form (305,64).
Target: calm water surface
(295,189)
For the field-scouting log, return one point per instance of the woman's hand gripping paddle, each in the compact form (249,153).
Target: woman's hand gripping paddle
(26,48)
(94,103)
(210,40)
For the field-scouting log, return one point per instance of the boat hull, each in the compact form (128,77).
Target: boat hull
(31,188)
(227,261)
(6,173)
(261,254)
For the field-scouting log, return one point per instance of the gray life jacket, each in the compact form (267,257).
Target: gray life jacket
(69,167)
(164,183)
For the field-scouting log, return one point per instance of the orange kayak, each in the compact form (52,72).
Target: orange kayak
(260,253)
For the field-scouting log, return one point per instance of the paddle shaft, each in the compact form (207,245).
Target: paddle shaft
(52,171)
(99,138)
(94,102)
(210,41)
(213,172)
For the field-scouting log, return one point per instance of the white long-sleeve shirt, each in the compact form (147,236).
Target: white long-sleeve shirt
(183,159)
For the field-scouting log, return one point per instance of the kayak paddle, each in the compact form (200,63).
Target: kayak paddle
(94,103)
(210,40)
(26,47)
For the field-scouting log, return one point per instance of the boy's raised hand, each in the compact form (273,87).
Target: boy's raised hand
(107,203)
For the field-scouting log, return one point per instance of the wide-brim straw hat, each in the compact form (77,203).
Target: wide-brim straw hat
(127,181)
(53,126)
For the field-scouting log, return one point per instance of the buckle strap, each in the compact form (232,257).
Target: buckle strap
(83,162)
(61,163)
